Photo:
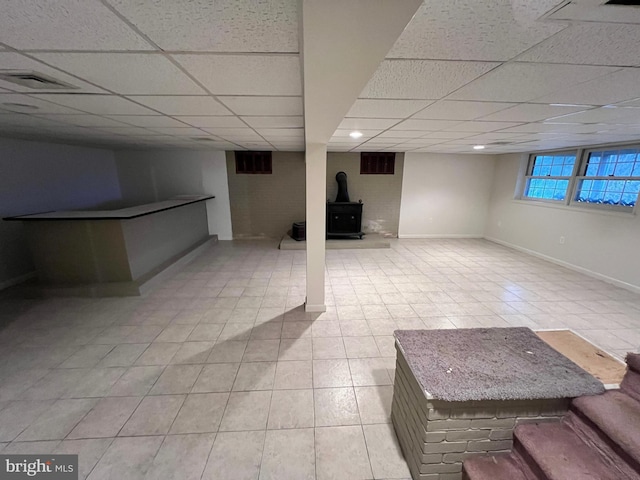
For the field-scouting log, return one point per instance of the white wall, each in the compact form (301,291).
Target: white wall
(445,195)
(153,175)
(37,177)
(599,243)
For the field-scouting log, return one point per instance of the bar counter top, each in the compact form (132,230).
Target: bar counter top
(120,214)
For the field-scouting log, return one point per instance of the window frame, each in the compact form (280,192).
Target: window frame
(528,176)
(581,176)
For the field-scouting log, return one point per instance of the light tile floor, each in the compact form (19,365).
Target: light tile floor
(219,374)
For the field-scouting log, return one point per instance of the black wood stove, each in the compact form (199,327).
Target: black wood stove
(344,218)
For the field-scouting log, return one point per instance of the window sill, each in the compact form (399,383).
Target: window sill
(571,208)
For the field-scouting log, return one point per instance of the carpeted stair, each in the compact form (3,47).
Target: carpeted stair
(599,439)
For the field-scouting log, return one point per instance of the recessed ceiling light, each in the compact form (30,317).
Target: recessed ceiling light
(355,134)
(478,147)
(570,105)
(19,107)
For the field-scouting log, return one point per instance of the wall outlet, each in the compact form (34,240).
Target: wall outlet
(561,240)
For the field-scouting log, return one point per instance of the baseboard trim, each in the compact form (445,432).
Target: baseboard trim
(440,235)
(314,308)
(570,266)
(12,282)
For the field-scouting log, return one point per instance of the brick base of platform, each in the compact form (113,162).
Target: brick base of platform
(436,436)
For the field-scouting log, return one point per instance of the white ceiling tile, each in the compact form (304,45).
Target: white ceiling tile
(496,136)
(129,130)
(280,132)
(553,128)
(613,88)
(212,122)
(84,120)
(602,115)
(422,79)
(425,125)
(8,101)
(65,25)
(234,133)
(443,134)
(590,44)
(274,122)
(245,74)
(22,120)
(469,30)
(367,123)
(366,133)
(401,134)
(372,108)
(460,110)
(179,131)
(216,26)
(530,112)
(257,105)
(98,104)
(630,103)
(126,73)
(521,82)
(183,105)
(15,61)
(147,120)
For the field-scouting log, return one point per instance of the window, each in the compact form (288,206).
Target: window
(253,162)
(373,163)
(549,175)
(609,178)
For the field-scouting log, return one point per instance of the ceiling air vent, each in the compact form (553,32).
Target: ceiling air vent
(35,80)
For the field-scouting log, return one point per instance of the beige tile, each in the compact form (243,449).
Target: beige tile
(291,409)
(341,454)
(295,374)
(31,448)
(58,420)
(175,333)
(384,452)
(326,329)
(205,332)
(227,352)
(261,351)
(158,354)
(374,403)
(235,332)
(355,328)
(328,347)
(255,376)
(97,383)
(289,454)
(89,452)
(335,406)
(55,384)
(128,458)
(361,347)
(192,353)
(154,416)
(267,331)
(19,415)
(217,377)
(200,413)
(235,455)
(176,379)
(106,419)
(246,411)
(123,355)
(136,381)
(331,373)
(296,329)
(181,457)
(295,349)
(369,371)
(87,357)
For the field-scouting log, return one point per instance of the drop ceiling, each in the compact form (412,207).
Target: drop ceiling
(514,75)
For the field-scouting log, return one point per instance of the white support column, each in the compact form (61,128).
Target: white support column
(316,177)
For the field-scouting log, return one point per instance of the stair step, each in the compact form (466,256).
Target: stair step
(493,467)
(617,415)
(556,452)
